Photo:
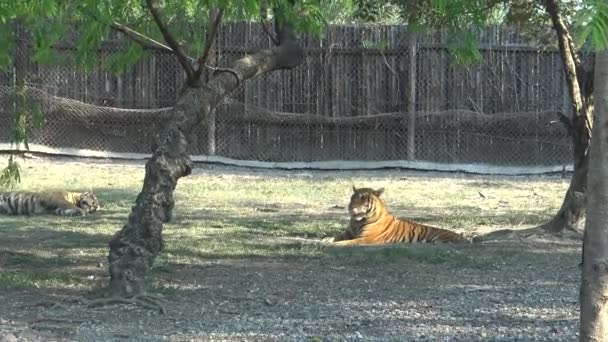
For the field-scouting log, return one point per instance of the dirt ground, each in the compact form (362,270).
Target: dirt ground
(508,291)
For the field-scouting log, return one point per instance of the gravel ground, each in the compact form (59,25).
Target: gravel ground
(520,292)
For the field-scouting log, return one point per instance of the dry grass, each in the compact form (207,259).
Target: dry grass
(229,217)
(232,213)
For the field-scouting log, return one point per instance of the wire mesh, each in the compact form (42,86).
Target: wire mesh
(362,93)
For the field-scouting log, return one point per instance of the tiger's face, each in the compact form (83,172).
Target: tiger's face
(88,202)
(362,202)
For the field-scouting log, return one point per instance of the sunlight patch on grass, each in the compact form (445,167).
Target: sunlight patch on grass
(13,279)
(236,215)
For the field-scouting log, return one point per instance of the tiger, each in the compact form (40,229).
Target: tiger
(371,223)
(62,203)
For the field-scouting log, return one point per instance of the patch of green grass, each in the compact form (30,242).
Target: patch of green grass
(240,215)
(15,279)
(455,257)
(428,254)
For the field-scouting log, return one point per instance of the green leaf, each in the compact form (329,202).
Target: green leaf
(592,20)
(7,43)
(11,174)
(251,7)
(463,49)
(37,115)
(118,61)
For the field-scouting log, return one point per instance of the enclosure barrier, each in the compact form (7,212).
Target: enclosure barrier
(365,97)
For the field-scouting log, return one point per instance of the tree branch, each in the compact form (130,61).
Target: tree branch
(489,6)
(134,248)
(139,38)
(143,40)
(211,34)
(263,13)
(571,63)
(284,31)
(585,74)
(177,50)
(567,123)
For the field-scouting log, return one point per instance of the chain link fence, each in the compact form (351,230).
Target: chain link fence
(363,93)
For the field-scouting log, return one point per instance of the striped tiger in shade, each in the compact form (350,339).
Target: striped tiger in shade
(371,223)
(61,203)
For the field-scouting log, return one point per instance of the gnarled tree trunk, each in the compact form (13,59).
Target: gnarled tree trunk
(594,284)
(134,248)
(571,215)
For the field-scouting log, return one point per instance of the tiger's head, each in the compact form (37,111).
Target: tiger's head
(88,202)
(365,203)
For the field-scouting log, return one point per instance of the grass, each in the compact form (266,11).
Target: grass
(252,214)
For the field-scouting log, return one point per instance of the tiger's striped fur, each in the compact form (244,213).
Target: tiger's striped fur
(371,223)
(61,203)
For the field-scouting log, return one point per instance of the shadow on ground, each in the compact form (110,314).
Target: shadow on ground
(348,294)
(257,277)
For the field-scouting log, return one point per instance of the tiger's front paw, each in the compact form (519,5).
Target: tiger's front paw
(77,212)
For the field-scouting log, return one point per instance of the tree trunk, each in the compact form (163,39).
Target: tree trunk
(134,248)
(211,122)
(594,282)
(571,215)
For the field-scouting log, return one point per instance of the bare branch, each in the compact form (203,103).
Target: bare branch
(566,122)
(571,63)
(263,13)
(283,30)
(139,38)
(239,77)
(268,33)
(211,34)
(143,40)
(177,50)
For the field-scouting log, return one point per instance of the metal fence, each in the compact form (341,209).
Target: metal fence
(363,93)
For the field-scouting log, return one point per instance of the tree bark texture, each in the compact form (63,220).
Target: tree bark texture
(594,282)
(134,248)
(571,215)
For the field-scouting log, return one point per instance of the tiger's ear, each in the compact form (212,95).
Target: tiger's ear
(354,188)
(379,192)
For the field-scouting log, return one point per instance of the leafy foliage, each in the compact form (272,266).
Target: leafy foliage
(593,21)
(459,17)
(6,44)
(26,115)
(11,174)
(463,48)
(376,12)
(117,61)
(589,18)
(88,23)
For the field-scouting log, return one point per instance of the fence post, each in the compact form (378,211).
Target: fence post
(411,91)
(19,56)
(211,133)
(211,117)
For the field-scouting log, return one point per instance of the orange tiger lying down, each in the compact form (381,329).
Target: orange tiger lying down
(370,223)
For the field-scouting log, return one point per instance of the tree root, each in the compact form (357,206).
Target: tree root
(147,301)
